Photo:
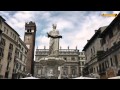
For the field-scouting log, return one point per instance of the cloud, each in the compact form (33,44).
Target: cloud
(116,12)
(42,41)
(76,27)
(88,27)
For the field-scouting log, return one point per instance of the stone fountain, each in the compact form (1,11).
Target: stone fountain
(52,61)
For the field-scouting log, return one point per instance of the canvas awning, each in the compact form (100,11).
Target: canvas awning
(29,78)
(84,78)
(117,77)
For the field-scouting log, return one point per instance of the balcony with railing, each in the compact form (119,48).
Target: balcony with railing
(61,52)
(9,56)
(2,43)
(102,70)
(10,48)
(99,55)
(85,71)
(103,54)
(1,53)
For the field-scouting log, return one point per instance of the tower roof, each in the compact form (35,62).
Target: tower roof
(31,23)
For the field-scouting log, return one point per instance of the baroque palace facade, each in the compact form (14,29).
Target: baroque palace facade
(70,69)
(13,52)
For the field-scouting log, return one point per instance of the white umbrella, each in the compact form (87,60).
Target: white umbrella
(84,78)
(117,77)
(29,78)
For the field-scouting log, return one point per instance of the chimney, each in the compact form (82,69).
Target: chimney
(96,31)
(44,47)
(76,47)
(60,47)
(68,47)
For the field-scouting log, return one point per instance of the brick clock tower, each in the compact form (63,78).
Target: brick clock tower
(29,39)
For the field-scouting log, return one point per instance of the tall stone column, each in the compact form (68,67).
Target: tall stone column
(44,71)
(69,71)
(77,70)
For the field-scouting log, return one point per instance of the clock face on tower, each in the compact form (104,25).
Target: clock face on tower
(28,46)
(28,38)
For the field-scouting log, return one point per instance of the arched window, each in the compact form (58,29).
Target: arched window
(118,74)
(17,65)
(116,60)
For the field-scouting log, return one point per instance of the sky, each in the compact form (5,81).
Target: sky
(76,27)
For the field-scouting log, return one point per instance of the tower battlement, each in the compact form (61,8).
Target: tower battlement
(30,25)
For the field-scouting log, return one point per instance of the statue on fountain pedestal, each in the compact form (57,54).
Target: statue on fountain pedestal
(52,61)
(54,41)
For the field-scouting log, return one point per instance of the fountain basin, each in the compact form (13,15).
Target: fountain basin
(52,61)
